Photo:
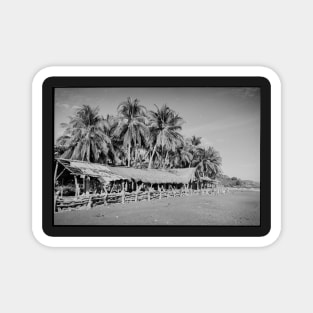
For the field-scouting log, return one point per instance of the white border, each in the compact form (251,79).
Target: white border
(155,241)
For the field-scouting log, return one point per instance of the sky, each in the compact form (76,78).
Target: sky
(226,118)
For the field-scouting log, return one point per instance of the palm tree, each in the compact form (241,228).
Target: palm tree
(165,125)
(195,141)
(181,157)
(210,162)
(193,145)
(116,153)
(86,136)
(132,126)
(58,151)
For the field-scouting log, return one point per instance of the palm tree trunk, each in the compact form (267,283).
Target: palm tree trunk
(162,142)
(136,154)
(151,158)
(190,162)
(165,159)
(129,155)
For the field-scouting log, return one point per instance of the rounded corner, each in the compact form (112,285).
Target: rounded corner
(42,75)
(270,75)
(271,237)
(42,237)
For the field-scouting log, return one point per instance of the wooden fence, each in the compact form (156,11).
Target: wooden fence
(88,201)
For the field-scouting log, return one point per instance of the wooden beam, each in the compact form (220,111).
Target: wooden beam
(55,172)
(61,173)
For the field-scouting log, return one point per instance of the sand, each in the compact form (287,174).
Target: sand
(237,208)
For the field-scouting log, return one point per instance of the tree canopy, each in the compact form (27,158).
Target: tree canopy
(135,137)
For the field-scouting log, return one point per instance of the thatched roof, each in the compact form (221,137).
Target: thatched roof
(155,176)
(89,169)
(112,173)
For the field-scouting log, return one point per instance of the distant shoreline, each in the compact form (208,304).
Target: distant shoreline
(243,189)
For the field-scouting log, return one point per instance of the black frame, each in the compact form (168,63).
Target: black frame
(153,231)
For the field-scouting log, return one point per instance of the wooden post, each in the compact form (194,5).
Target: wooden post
(123,193)
(84,184)
(136,197)
(149,193)
(105,195)
(76,187)
(87,185)
(55,172)
(55,203)
(89,205)
(160,190)
(56,195)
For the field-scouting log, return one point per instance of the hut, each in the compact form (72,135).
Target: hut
(107,174)
(208,182)
(94,181)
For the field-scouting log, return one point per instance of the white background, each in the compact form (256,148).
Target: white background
(36,34)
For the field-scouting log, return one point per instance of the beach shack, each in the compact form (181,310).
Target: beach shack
(94,183)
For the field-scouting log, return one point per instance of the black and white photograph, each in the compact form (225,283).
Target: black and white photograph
(157,156)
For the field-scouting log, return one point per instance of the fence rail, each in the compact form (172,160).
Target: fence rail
(88,201)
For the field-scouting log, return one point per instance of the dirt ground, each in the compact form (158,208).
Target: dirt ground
(238,208)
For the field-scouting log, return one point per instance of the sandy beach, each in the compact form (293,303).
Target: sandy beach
(236,208)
